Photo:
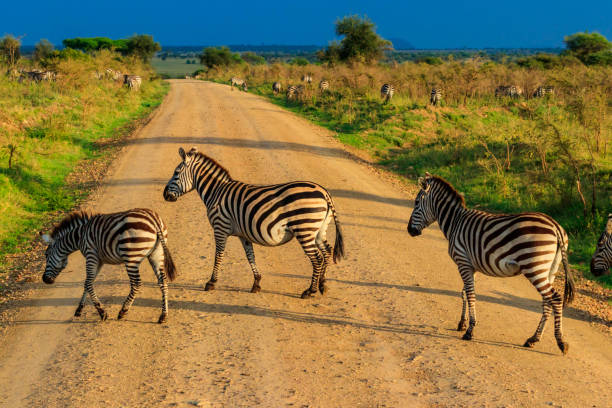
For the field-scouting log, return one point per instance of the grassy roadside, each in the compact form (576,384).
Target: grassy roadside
(51,128)
(504,155)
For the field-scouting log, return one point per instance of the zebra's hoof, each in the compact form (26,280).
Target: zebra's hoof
(121,314)
(103,314)
(467,336)
(322,289)
(77,312)
(462,325)
(307,293)
(564,347)
(209,286)
(162,318)
(256,288)
(530,342)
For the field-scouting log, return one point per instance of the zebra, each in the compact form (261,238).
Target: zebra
(532,244)
(324,85)
(307,78)
(188,77)
(126,237)
(276,87)
(268,215)
(602,258)
(543,91)
(512,91)
(386,92)
(114,75)
(133,82)
(294,91)
(238,82)
(436,96)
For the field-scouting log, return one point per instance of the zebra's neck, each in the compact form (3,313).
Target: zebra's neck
(209,179)
(69,232)
(447,210)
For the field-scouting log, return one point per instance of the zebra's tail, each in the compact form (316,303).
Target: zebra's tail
(168,262)
(339,244)
(570,287)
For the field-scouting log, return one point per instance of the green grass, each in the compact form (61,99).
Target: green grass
(174,67)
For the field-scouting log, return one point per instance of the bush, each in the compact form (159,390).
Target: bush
(10,49)
(219,57)
(42,50)
(252,58)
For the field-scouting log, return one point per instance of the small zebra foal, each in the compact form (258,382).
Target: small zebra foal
(542,91)
(386,92)
(324,85)
(238,82)
(602,258)
(266,215)
(501,245)
(133,82)
(307,78)
(294,91)
(276,87)
(120,238)
(436,96)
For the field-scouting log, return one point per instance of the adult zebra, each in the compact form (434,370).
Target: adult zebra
(532,244)
(276,87)
(542,91)
(512,91)
(266,215)
(324,85)
(126,237)
(602,258)
(386,92)
(436,96)
(307,78)
(133,82)
(238,82)
(294,91)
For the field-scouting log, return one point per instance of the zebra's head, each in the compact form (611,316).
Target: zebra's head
(244,86)
(423,214)
(57,259)
(182,179)
(602,258)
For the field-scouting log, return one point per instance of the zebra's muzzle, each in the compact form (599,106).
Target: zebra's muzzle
(597,271)
(168,196)
(48,279)
(413,231)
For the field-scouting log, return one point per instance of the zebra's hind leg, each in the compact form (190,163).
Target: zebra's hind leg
(326,250)
(250,254)
(467,274)
(317,259)
(463,322)
(135,284)
(546,310)
(220,241)
(156,259)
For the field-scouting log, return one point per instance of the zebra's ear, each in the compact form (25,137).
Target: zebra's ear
(182,153)
(193,150)
(427,174)
(47,239)
(609,224)
(422,183)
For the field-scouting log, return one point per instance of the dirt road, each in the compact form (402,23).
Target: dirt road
(382,336)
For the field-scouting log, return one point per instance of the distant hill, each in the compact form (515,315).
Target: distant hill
(401,44)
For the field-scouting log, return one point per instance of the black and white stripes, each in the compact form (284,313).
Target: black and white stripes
(436,96)
(266,215)
(324,85)
(602,258)
(276,87)
(294,91)
(120,238)
(386,92)
(531,244)
(240,83)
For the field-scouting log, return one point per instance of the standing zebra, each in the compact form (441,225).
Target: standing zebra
(126,237)
(543,91)
(265,215)
(532,244)
(512,91)
(602,258)
(276,87)
(133,82)
(386,92)
(307,78)
(324,85)
(294,91)
(436,96)
(238,82)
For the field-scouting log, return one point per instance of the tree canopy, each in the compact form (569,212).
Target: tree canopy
(590,48)
(142,46)
(139,45)
(252,58)
(10,49)
(221,56)
(361,43)
(43,50)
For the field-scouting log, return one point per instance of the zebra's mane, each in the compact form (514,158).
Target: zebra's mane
(213,161)
(69,220)
(449,188)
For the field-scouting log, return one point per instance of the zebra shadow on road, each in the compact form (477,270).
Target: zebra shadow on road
(260,312)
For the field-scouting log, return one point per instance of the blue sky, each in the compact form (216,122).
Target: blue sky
(433,24)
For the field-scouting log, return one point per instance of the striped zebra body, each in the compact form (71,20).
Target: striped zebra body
(307,78)
(265,215)
(235,81)
(133,82)
(532,244)
(294,91)
(114,75)
(542,91)
(120,238)
(602,258)
(276,87)
(436,96)
(512,91)
(386,92)
(324,85)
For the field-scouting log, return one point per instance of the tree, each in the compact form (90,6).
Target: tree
(222,56)
(252,58)
(583,45)
(360,42)
(10,49)
(142,46)
(43,50)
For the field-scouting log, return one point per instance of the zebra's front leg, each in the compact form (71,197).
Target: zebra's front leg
(79,309)
(135,284)
(220,241)
(467,274)
(93,267)
(250,254)
(463,322)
